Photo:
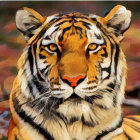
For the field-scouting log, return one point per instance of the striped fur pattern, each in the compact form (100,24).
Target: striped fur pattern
(45,104)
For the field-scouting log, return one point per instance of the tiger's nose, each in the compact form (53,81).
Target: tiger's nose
(73,81)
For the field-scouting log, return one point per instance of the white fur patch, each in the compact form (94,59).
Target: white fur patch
(104,74)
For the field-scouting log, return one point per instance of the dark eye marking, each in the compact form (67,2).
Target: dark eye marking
(98,36)
(47,38)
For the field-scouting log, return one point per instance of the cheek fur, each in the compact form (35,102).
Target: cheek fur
(54,75)
(92,70)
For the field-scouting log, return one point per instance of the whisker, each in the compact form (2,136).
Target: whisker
(53,104)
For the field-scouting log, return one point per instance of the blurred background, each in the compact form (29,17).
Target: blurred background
(12,44)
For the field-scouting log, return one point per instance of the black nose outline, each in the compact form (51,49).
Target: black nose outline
(69,83)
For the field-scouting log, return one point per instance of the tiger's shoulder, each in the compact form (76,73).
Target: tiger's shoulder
(131,128)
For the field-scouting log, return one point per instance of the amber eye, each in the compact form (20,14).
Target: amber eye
(51,48)
(93,47)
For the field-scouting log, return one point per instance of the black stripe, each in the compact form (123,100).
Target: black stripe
(105,54)
(98,36)
(29,120)
(30,87)
(64,30)
(37,84)
(90,99)
(105,132)
(105,51)
(78,28)
(53,20)
(62,22)
(34,17)
(42,56)
(97,96)
(127,136)
(73,119)
(43,70)
(112,48)
(86,24)
(93,18)
(30,58)
(34,46)
(41,33)
(109,68)
(35,59)
(111,85)
(33,28)
(87,123)
(40,77)
(54,31)
(28,32)
(47,38)
(116,57)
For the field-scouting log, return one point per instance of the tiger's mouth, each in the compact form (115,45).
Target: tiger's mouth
(73,98)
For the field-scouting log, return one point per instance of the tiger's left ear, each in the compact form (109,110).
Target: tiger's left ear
(28,21)
(117,20)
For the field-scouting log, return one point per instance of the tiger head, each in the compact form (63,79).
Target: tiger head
(73,58)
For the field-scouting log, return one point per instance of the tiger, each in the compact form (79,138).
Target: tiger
(71,79)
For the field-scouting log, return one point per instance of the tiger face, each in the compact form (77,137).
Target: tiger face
(74,58)
(68,75)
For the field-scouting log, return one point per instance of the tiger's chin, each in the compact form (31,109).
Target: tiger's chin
(74,106)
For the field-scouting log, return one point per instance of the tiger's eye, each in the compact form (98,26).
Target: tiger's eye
(53,47)
(92,46)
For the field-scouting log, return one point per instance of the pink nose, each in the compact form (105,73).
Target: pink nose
(73,81)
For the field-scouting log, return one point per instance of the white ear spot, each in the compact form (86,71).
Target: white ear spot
(24,21)
(125,15)
(117,21)
(121,10)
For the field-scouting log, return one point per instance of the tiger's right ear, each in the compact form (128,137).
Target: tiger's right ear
(28,21)
(117,21)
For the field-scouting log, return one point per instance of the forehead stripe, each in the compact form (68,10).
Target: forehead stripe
(61,36)
(50,30)
(59,23)
(86,24)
